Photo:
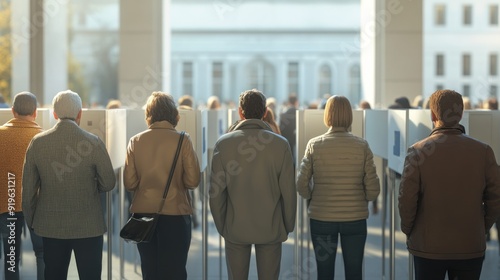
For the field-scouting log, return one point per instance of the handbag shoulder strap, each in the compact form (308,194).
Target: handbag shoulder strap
(172,169)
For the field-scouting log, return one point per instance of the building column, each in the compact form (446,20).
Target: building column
(144,50)
(391,47)
(40,47)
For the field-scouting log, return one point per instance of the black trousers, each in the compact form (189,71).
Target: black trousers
(428,269)
(165,257)
(88,255)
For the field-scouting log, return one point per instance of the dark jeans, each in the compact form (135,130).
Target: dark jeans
(11,228)
(427,269)
(88,255)
(165,257)
(325,239)
(37,243)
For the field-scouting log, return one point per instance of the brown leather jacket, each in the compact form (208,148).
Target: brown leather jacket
(149,159)
(449,195)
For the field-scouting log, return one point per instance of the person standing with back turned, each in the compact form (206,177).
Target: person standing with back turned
(65,170)
(449,196)
(252,191)
(340,168)
(15,136)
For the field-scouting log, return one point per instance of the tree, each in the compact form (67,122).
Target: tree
(5,49)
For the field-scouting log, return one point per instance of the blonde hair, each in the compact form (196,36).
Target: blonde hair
(338,112)
(269,118)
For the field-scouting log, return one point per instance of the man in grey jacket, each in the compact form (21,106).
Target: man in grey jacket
(252,191)
(449,196)
(65,169)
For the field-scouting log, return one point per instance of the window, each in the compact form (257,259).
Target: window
(493,91)
(466,90)
(261,76)
(440,14)
(440,65)
(217,79)
(466,65)
(325,80)
(355,84)
(467,15)
(187,78)
(293,77)
(493,14)
(493,64)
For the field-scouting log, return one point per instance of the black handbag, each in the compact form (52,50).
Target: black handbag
(141,227)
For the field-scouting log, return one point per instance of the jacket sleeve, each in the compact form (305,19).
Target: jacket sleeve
(105,174)
(191,167)
(218,192)
(31,184)
(371,181)
(288,193)
(409,190)
(130,177)
(491,196)
(305,173)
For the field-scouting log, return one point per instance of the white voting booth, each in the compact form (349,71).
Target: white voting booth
(194,122)
(406,127)
(44,117)
(217,126)
(110,126)
(376,127)
(232,117)
(310,123)
(484,125)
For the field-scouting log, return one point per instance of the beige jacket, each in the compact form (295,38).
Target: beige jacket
(343,174)
(252,188)
(149,158)
(449,195)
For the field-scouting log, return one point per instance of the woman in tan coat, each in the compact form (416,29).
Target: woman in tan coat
(344,180)
(149,159)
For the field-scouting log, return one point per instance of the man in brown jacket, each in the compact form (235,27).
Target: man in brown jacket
(15,136)
(449,196)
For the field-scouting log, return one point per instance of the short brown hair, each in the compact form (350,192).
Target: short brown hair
(161,107)
(338,112)
(253,104)
(447,106)
(24,103)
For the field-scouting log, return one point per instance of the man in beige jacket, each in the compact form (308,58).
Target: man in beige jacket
(449,196)
(252,191)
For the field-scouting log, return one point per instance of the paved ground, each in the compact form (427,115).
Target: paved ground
(373,259)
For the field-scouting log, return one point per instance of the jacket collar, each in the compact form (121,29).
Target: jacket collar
(460,129)
(252,124)
(22,123)
(161,125)
(337,129)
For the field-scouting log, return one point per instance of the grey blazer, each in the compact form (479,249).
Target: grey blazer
(65,169)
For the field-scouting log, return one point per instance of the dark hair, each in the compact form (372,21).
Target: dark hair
(161,107)
(448,106)
(492,103)
(292,99)
(24,103)
(253,104)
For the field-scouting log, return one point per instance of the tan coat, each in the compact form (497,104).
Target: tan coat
(252,188)
(149,158)
(342,169)
(15,136)
(449,196)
